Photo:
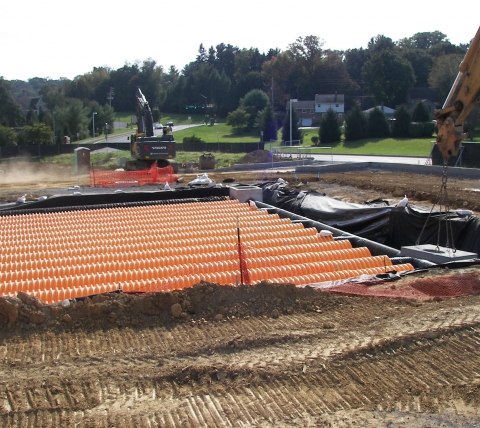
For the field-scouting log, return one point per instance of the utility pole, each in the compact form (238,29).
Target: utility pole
(110,96)
(291,102)
(205,100)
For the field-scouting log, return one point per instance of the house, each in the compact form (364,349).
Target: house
(387,111)
(27,103)
(305,111)
(310,112)
(336,102)
(428,96)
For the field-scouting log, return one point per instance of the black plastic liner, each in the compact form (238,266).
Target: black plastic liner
(376,220)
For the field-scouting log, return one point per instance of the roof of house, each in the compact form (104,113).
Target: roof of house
(302,104)
(330,98)
(385,109)
(27,103)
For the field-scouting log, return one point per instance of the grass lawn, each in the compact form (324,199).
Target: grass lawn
(383,147)
(220,132)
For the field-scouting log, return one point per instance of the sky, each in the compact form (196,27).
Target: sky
(54,38)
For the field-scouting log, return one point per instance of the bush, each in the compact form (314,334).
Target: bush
(415,129)
(378,126)
(7,136)
(315,140)
(401,122)
(356,124)
(420,112)
(330,128)
(192,139)
(428,129)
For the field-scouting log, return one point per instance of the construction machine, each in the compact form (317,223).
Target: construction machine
(463,96)
(147,148)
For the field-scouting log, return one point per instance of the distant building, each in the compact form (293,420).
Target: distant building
(428,96)
(27,103)
(387,111)
(311,112)
(336,102)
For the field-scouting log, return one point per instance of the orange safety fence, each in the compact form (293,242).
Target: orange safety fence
(103,178)
(423,288)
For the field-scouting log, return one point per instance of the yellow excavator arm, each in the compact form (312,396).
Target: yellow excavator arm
(463,96)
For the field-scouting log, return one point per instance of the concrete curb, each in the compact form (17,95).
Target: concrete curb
(470,173)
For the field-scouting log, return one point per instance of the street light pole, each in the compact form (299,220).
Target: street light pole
(291,101)
(93,124)
(205,107)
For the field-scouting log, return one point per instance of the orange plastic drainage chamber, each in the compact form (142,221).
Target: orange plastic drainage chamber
(64,255)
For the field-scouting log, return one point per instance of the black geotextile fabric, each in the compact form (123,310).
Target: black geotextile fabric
(376,220)
(406,224)
(367,221)
(101,199)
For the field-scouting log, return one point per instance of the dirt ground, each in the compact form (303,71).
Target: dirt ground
(359,186)
(265,355)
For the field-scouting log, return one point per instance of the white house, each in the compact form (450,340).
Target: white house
(310,112)
(336,102)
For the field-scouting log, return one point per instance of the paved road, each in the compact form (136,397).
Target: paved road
(365,158)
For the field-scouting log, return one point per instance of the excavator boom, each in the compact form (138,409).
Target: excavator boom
(463,96)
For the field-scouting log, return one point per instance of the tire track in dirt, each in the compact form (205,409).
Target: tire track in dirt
(280,369)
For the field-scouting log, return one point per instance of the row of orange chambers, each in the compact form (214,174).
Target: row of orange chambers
(63,255)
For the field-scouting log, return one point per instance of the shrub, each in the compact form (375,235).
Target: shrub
(401,122)
(428,129)
(7,136)
(356,124)
(420,112)
(315,139)
(378,126)
(329,131)
(192,139)
(415,129)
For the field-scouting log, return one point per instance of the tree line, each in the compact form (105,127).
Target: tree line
(220,77)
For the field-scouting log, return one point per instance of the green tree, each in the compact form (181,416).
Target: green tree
(296,133)
(354,61)
(329,131)
(425,40)
(420,112)
(443,74)
(238,119)
(39,133)
(378,124)
(253,102)
(8,136)
(10,112)
(31,117)
(267,124)
(388,76)
(356,124)
(401,123)
(421,63)
(380,43)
